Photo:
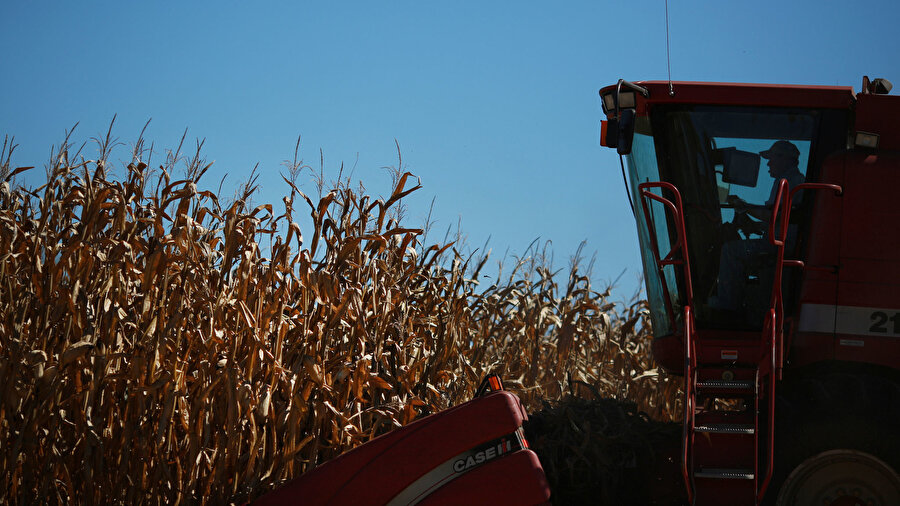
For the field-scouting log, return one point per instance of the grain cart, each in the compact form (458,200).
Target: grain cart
(776,295)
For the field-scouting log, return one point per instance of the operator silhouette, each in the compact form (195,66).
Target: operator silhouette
(783,161)
(743,260)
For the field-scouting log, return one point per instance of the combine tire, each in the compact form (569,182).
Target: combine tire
(836,441)
(841,477)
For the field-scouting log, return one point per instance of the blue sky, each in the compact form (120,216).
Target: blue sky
(494,104)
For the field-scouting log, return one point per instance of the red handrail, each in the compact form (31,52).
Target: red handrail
(687,429)
(781,211)
(677,211)
(808,186)
(782,193)
(771,331)
(817,186)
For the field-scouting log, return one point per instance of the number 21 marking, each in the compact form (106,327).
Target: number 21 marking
(879,322)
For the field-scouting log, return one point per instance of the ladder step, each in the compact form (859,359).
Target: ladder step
(725,385)
(725,474)
(726,428)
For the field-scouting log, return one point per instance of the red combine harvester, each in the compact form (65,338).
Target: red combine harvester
(776,296)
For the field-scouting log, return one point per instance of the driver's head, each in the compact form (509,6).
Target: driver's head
(782,156)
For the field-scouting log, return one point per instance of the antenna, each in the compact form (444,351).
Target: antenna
(668,60)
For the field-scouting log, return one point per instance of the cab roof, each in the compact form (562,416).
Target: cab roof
(765,95)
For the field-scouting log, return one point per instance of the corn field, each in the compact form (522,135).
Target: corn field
(161,345)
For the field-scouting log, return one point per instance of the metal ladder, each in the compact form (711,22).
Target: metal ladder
(724,424)
(722,448)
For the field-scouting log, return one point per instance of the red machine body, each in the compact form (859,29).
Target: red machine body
(777,298)
(468,454)
(852,237)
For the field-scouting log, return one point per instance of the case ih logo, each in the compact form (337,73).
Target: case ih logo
(489,451)
(458,465)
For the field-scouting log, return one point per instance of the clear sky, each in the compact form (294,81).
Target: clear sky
(494,103)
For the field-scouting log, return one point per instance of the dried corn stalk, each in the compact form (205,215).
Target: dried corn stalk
(150,351)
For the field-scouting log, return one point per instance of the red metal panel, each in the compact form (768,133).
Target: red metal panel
(870,244)
(819,282)
(809,348)
(867,311)
(737,351)
(870,282)
(376,472)
(668,351)
(877,350)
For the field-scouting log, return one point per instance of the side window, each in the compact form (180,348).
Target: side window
(644,168)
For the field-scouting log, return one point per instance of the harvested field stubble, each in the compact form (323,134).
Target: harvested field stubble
(150,351)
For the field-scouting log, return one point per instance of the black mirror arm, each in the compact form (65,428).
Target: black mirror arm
(634,87)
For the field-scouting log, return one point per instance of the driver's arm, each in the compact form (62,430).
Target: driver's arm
(762,213)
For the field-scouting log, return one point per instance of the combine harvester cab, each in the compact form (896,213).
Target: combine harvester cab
(768,222)
(474,453)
